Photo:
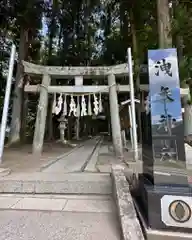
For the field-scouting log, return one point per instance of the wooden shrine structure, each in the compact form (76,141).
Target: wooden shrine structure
(53,72)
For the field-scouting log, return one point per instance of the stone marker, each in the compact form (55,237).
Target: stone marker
(166,196)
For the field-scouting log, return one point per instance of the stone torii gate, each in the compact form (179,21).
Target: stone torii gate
(50,72)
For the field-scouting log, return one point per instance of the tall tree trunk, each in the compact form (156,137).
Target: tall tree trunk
(124,30)
(49,120)
(87,34)
(87,55)
(136,67)
(17,100)
(52,32)
(24,111)
(164,24)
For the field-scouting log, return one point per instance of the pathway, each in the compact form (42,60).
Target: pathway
(78,204)
(59,217)
(20,159)
(81,159)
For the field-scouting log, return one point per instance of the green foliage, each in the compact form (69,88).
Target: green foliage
(87,32)
(181,26)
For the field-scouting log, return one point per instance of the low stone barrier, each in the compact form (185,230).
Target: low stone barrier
(130,226)
(188,153)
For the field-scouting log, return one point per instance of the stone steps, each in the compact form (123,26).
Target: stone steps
(58,225)
(58,202)
(57,183)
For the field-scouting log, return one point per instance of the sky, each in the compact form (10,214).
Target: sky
(44,27)
(157,108)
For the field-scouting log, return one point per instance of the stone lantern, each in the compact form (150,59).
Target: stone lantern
(62,126)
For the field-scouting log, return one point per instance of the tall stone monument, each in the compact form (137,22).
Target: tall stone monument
(166,193)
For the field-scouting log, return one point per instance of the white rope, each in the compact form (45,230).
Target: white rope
(54,103)
(91,93)
(89,106)
(78,107)
(96,105)
(57,106)
(83,106)
(39,86)
(65,106)
(100,104)
(73,108)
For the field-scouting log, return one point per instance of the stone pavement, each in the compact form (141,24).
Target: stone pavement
(58,217)
(51,202)
(76,161)
(45,204)
(20,159)
(91,164)
(56,157)
(25,225)
(106,158)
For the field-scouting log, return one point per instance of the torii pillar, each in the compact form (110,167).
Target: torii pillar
(115,119)
(39,133)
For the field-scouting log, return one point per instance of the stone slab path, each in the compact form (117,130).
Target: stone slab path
(56,183)
(58,217)
(21,159)
(76,161)
(27,225)
(91,164)
(51,202)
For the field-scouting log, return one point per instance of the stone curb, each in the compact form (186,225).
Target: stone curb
(87,168)
(99,141)
(130,226)
(4,172)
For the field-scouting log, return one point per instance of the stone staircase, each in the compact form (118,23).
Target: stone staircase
(76,188)
(85,185)
(82,217)
(45,183)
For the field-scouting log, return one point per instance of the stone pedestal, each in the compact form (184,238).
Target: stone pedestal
(165,192)
(166,207)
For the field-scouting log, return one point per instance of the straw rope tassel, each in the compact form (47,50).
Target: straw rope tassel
(78,107)
(95,103)
(73,108)
(54,103)
(100,103)
(89,106)
(83,106)
(65,106)
(59,104)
